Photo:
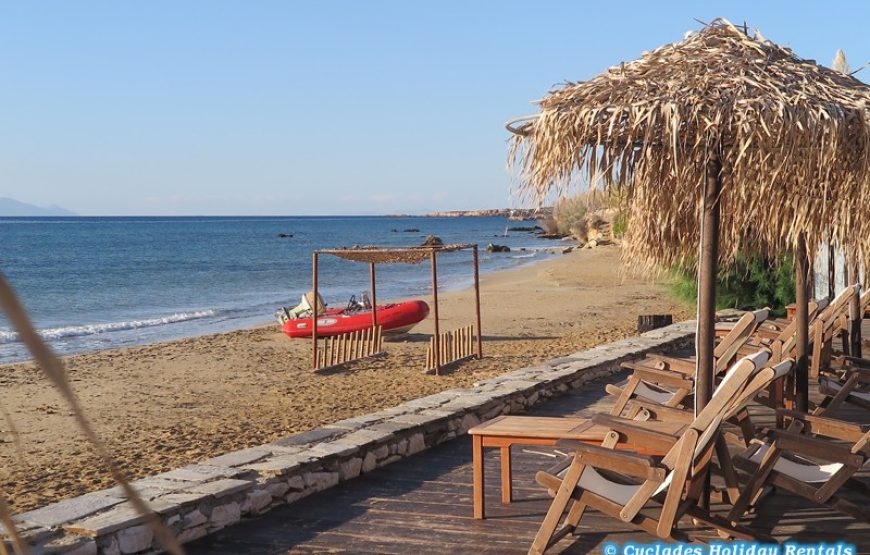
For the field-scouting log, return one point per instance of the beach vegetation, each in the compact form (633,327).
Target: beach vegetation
(752,281)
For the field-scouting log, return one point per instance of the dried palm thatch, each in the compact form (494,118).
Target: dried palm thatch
(793,139)
(393,255)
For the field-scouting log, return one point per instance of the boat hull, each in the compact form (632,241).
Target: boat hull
(393,318)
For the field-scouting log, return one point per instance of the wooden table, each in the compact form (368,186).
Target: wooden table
(506,431)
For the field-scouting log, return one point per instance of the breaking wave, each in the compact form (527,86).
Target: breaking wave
(9,336)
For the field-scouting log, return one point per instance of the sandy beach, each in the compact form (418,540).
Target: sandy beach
(164,405)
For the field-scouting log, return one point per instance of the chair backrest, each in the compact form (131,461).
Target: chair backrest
(707,422)
(737,337)
(759,382)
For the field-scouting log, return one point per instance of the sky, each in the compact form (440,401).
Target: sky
(319,107)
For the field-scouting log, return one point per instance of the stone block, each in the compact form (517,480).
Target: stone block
(68,510)
(239,458)
(135,539)
(192,534)
(350,468)
(381,452)
(256,501)
(468,421)
(201,473)
(365,437)
(296,483)
(319,481)
(333,449)
(281,464)
(370,462)
(108,546)
(72,545)
(183,498)
(355,423)
(278,489)
(416,443)
(222,488)
(116,518)
(224,515)
(193,519)
(308,438)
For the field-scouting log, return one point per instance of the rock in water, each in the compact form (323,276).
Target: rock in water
(432,241)
(498,248)
(285,235)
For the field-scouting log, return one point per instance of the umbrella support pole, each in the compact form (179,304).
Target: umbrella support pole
(802,379)
(708,271)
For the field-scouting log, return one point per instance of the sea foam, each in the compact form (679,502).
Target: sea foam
(9,336)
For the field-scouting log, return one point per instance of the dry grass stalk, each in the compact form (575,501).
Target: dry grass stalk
(55,372)
(793,138)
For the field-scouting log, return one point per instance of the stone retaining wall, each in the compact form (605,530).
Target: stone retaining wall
(199,499)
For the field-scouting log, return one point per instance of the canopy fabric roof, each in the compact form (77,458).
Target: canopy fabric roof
(792,136)
(393,255)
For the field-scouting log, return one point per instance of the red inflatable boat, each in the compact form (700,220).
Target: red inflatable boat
(394,318)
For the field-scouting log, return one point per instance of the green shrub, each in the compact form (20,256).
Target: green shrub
(620,223)
(753,282)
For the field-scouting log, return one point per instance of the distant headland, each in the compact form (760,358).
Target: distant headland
(12,207)
(510,213)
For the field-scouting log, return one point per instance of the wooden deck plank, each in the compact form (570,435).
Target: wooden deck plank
(423,505)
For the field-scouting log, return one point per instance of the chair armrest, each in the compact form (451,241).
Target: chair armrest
(857,363)
(847,431)
(814,447)
(661,412)
(625,462)
(664,377)
(636,433)
(674,364)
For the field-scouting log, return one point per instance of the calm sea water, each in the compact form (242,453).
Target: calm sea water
(98,283)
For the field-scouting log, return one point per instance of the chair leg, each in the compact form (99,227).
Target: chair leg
(557,508)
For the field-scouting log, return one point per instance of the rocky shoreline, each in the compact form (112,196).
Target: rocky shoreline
(518,214)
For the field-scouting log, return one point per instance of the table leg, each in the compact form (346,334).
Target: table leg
(477,472)
(506,478)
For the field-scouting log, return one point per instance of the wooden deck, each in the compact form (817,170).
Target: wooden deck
(424,505)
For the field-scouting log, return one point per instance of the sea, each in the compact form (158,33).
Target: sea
(93,283)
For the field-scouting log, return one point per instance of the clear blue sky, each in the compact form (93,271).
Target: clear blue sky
(210,107)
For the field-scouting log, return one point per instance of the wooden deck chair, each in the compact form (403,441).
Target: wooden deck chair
(621,483)
(669,381)
(852,386)
(813,467)
(737,414)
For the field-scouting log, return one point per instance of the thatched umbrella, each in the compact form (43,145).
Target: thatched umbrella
(720,131)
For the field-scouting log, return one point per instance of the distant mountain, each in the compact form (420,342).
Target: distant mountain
(12,207)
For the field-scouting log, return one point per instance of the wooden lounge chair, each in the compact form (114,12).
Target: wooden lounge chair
(807,465)
(669,381)
(621,483)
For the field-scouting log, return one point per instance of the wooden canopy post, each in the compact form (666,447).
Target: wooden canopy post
(314,364)
(437,336)
(477,304)
(832,271)
(374,296)
(708,269)
(802,379)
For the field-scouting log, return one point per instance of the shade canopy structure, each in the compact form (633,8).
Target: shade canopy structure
(373,254)
(722,142)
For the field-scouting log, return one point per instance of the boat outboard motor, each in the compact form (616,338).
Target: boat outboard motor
(302,310)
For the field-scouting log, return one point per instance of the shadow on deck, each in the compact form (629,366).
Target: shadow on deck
(424,505)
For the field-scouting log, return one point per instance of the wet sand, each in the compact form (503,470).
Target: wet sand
(165,405)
